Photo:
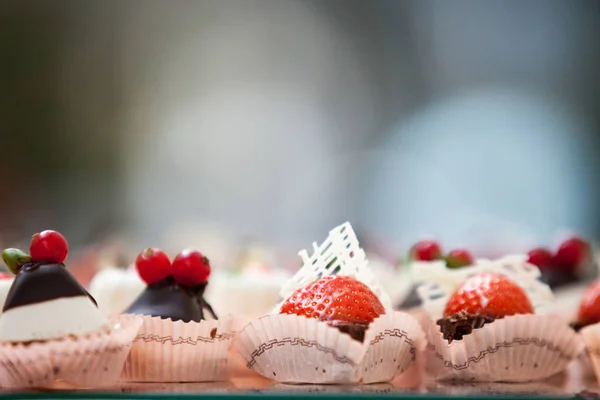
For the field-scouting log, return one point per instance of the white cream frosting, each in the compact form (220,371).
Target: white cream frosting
(438,282)
(340,254)
(52,319)
(115,289)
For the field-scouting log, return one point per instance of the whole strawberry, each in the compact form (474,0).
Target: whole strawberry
(489,295)
(572,254)
(335,300)
(426,250)
(589,308)
(459,258)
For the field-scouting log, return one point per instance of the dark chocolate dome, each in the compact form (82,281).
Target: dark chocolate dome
(37,283)
(169,299)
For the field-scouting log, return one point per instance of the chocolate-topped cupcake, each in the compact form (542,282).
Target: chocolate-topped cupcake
(176,340)
(50,318)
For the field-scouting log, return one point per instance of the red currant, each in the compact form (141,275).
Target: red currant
(48,246)
(153,265)
(4,275)
(572,253)
(191,268)
(426,250)
(459,258)
(541,258)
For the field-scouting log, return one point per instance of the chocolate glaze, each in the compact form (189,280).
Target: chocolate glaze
(169,299)
(36,283)
(356,331)
(461,324)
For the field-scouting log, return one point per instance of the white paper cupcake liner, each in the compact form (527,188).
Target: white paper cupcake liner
(591,337)
(168,351)
(292,349)
(519,348)
(92,360)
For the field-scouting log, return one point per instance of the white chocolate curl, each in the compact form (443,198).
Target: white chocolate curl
(438,282)
(340,254)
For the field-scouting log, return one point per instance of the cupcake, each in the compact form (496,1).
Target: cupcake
(484,325)
(336,319)
(251,286)
(116,288)
(6,281)
(424,253)
(181,339)
(51,328)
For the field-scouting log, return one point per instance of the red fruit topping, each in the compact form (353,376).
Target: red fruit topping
(541,258)
(572,253)
(335,299)
(426,250)
(191,268)
(4,275)
(48,246)
(153,265)
(490,295)
(589,309)
(459,258)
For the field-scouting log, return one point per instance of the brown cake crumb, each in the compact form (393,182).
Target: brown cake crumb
(463,323)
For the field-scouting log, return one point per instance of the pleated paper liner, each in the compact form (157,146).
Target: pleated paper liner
(591,336)
(519,348)
(91,360)
(292,349)
(177,351)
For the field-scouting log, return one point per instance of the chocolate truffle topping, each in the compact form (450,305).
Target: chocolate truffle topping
(37,283)
(461,324)
(169,299)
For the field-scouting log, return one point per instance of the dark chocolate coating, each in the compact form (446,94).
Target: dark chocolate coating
(169,299)
(461,324)
(36,283)
(356,331)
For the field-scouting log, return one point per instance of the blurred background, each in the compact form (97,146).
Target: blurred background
(218,122)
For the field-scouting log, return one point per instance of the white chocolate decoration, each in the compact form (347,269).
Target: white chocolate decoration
(340,254)
(438,282)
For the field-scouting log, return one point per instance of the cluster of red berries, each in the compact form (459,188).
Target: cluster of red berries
(429,250)
(572,254)
(189,268)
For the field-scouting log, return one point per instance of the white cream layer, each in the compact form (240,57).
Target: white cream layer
(115,289)
(52,319)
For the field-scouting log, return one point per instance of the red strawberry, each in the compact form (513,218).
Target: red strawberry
(491,295)
(589,308)
(459,258)
(572,253)
(541,258)
(426,250)
(335,300)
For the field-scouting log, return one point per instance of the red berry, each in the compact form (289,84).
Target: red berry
(48,246)
(589,309)
(153,265)
(426,250)
(335,299)
(572,253)
(491,295)
(4,275)
(191,268)
(541,258)
(459,258)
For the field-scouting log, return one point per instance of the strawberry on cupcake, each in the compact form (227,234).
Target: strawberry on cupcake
(337,319)
(484,325)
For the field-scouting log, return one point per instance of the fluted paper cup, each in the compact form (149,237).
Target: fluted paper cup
(292,349)
(518,348)
(91,360)
(177,351)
